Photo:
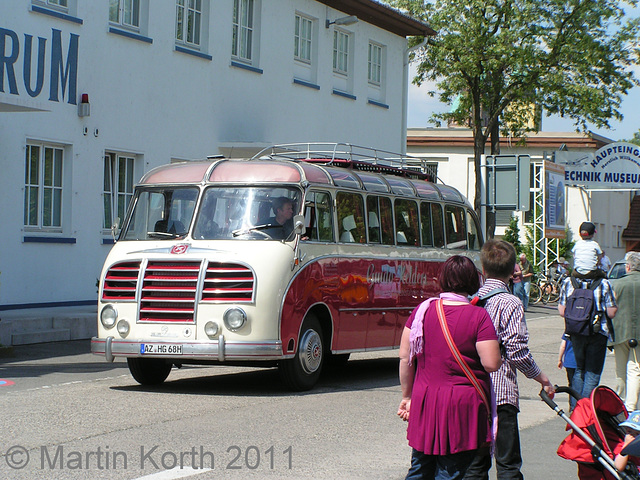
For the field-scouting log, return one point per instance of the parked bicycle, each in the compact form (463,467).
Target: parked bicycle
(546,289)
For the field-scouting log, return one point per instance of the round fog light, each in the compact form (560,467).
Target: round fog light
(108,316)
(211,329)
(234,318)
(123,328)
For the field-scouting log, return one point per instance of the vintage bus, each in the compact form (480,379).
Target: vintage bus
(294,258)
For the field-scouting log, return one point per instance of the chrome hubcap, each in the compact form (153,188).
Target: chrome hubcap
(310,351)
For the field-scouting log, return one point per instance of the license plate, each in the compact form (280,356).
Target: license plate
(160,349)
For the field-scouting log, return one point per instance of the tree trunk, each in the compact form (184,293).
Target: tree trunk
(495,150)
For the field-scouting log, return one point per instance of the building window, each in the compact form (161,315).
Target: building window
(125,13)
(243,28)
(43,186)
(188,21)
(340,52)
(302,39)
(118,187)
(375,64)
(59,4)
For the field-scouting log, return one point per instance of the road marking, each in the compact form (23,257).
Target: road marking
(174,473)
(5,383)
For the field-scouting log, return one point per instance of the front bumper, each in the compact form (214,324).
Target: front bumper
(216,350)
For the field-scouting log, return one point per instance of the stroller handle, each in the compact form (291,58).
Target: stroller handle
(549,401)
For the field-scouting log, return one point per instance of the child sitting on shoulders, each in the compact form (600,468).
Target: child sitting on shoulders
(587,254)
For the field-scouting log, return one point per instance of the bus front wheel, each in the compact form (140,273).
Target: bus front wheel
(303,371)
(149,371)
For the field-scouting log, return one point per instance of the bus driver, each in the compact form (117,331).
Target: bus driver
(283,209)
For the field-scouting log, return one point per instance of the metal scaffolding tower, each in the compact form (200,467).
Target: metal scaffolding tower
(545,250)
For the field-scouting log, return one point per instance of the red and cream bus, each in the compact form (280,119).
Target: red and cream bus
(298,256)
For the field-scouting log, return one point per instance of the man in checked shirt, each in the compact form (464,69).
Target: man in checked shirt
(498,260)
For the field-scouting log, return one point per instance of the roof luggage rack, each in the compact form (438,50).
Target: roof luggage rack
(351,156)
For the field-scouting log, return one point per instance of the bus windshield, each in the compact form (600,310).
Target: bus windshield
(244,213)
(264,213)
(161,213)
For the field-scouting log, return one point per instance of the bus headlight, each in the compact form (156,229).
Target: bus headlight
(234,318)
(211,329)
(123,328)
(108,316)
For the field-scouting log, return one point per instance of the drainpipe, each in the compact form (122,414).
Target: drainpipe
(405,91)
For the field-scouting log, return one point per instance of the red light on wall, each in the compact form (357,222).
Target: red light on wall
(84,109)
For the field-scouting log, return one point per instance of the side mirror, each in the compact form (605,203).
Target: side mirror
(298,224)
(115,227)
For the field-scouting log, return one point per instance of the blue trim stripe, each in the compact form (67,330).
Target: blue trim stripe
(340,93)
(21,306)
(128,34)
(377,104)
(246,67)
(53,13)
(49,240)
(297,81)
(195,53)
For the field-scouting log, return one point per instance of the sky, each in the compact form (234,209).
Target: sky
(421,106)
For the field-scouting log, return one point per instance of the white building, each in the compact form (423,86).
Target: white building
(95,93)
(449,151)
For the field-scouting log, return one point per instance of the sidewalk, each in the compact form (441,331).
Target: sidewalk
(53,324)
(545,327)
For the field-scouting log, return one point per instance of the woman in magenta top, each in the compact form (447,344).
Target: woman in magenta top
(448,419)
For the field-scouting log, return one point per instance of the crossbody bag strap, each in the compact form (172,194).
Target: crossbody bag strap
(456,354)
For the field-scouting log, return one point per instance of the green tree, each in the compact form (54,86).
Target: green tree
(512,234)
(636,138)
(498,58)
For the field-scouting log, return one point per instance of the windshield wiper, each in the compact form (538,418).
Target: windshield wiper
(237,233)
(165,235)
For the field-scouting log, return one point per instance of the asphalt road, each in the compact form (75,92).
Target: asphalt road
(70,415)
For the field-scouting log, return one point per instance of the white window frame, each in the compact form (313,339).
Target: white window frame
(45,194)
(244,23)
(374,64)
(303,38)
(118,182)
(341,52)
(126,8)
(62,5)
(189,17)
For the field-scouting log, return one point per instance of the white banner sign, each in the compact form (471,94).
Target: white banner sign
(615,166)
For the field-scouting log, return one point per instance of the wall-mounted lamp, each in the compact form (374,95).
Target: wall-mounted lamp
(350,20)
(84,109)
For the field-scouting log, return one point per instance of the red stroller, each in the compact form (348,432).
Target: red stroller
(596,436)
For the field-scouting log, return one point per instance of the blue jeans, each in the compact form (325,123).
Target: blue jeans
(590,352)
(520,292)
(527,292)
(508,456)
(439,467)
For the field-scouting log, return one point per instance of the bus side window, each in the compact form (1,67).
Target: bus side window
(425,223)
(373,219)
(351,218)
(318,217)
(473,239)
(406,222)
(456,231)
(438,225)
(386,219)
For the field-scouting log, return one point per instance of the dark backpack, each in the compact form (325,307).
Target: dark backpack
(580,315)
